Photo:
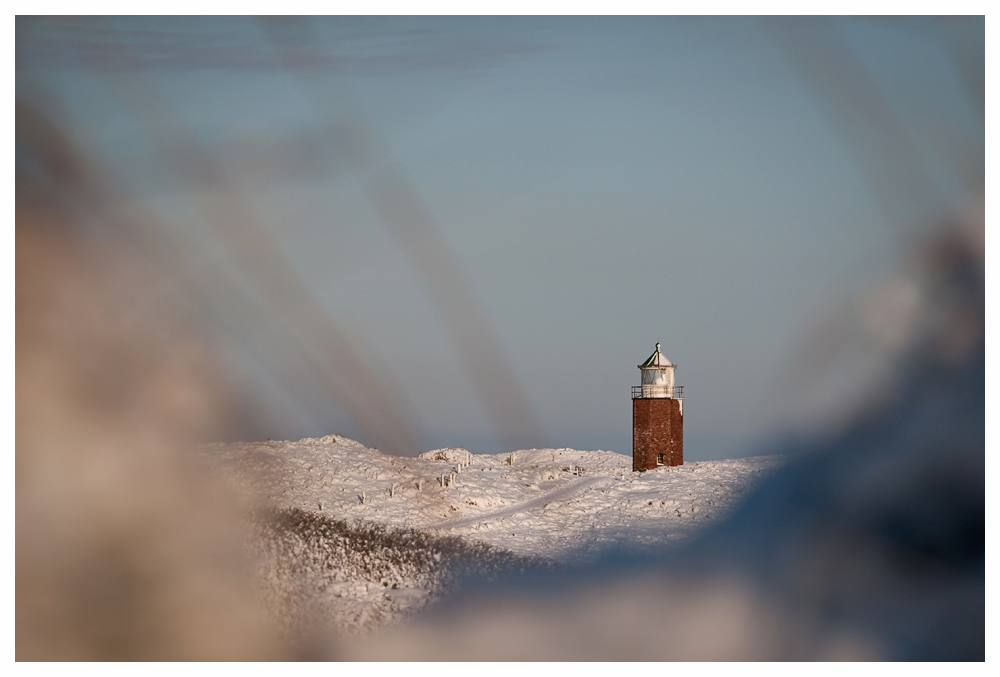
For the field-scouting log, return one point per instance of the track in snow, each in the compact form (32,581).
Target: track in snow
(538,502)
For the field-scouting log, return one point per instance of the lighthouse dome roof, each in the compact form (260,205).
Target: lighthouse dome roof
(657,359)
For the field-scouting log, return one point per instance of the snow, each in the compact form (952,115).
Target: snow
(383,554)
(561,504)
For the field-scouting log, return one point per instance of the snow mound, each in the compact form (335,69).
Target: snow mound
(563,505)
(551,503)
(450,454)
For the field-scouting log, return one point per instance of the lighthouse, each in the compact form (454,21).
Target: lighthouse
(657,415)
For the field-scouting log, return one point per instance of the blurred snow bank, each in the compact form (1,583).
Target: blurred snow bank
(870,545)
(125,547)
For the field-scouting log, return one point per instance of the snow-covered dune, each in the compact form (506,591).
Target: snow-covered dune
(355,540)
(555,503)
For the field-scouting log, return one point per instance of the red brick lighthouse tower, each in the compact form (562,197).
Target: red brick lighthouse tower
(657,415)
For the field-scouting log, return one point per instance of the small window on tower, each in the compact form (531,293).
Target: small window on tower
(659,459)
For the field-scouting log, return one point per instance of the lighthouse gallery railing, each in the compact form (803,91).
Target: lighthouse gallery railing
(642,392)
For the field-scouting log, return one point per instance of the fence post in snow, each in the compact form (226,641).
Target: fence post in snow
(363,497)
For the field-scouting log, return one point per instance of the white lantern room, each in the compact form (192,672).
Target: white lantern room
(657,376)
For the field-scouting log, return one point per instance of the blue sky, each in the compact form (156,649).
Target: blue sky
(603,183)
